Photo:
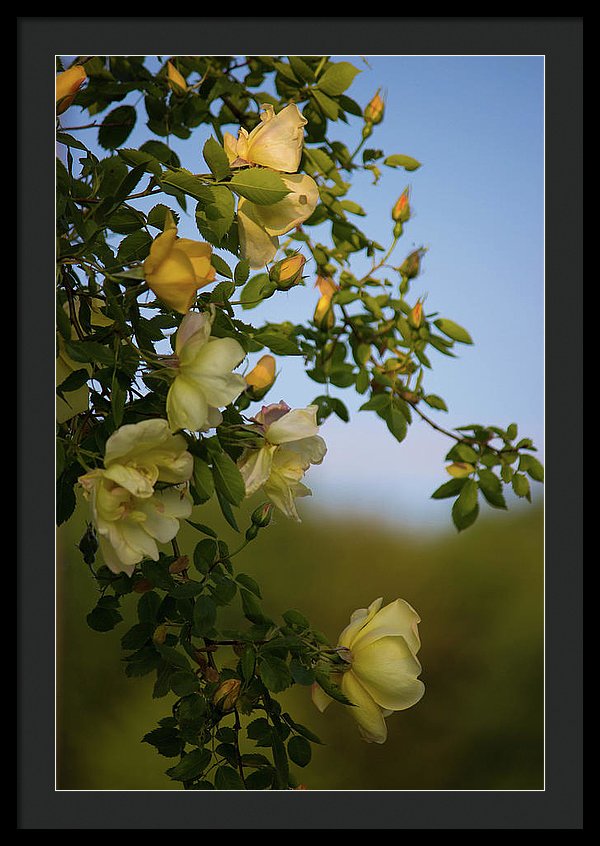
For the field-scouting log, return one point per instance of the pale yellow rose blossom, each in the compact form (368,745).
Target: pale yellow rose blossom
(291,445)
(176,268)
(380,646)
(276,142)
(204,380)
(130,516)
(260,226)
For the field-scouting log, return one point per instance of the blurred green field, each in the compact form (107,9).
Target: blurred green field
(480,597)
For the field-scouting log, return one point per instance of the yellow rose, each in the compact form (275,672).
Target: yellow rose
(68,84)
(176,268)
(276,142)
(380,646)
(204,380)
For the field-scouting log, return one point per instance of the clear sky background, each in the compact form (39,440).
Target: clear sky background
(476,124)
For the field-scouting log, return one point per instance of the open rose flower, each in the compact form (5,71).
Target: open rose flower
(380,646)
(204,380)
(276,142)
(129,515)
(291,445)
(177,268)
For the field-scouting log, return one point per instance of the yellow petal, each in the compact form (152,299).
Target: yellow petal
(255,467)
(199,254)
(397,618)
(187,407)
(262,374)
(296,424)
(256,245)
(277,141)
(294,209)
(388,671)
(366,712)
(358,619)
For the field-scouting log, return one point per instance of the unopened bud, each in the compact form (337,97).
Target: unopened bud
(160,634)
(227,694)
(210,674)
(251,532)
(180,564)
(287,272)
(374,111)
(401,209)
(261,516)
(460,469)
(261,377)
(324,316)
(411,265)
(68,84)
(177,82)
(415,318)
(143,586)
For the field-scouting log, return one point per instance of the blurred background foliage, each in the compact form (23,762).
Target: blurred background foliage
(480,597)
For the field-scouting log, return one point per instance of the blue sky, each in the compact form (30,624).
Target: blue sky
(476,124)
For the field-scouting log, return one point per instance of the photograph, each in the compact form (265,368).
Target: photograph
(300,424)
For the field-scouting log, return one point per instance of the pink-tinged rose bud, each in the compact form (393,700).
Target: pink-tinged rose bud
(411,265)
(401,209)
(270,413)
(288,272)
(374,111)
(415,318)
(227,694)
(261,516)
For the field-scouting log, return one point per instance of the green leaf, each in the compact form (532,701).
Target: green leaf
(465,508)
(173,656)
(134,247)
(226,778)
(137,635)
(279,344)
(248,663)
(249,583)
(221,266)
(104,617)
(242,272)
(148,606)
(328,106)
(202,481)
(453,330)
(433,401)
(165,740)
(160,215)
(275,673)
(491,487)
(69,141)
(136,157)
(257,289)
(337,78)
(398,160)
(396,423)
(301,674)
(251,608)
(191,765)
(331,688)
(227,477)
(466,453)
(205,554)
(206,530)
(300,751)
(216,158)
(451,488)
(116,127)
(215,212)
(183,683)
(183,180)
(530,465)
(260,186)
(521,486)
(205,615)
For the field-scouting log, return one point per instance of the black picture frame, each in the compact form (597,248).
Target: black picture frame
(559,805)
